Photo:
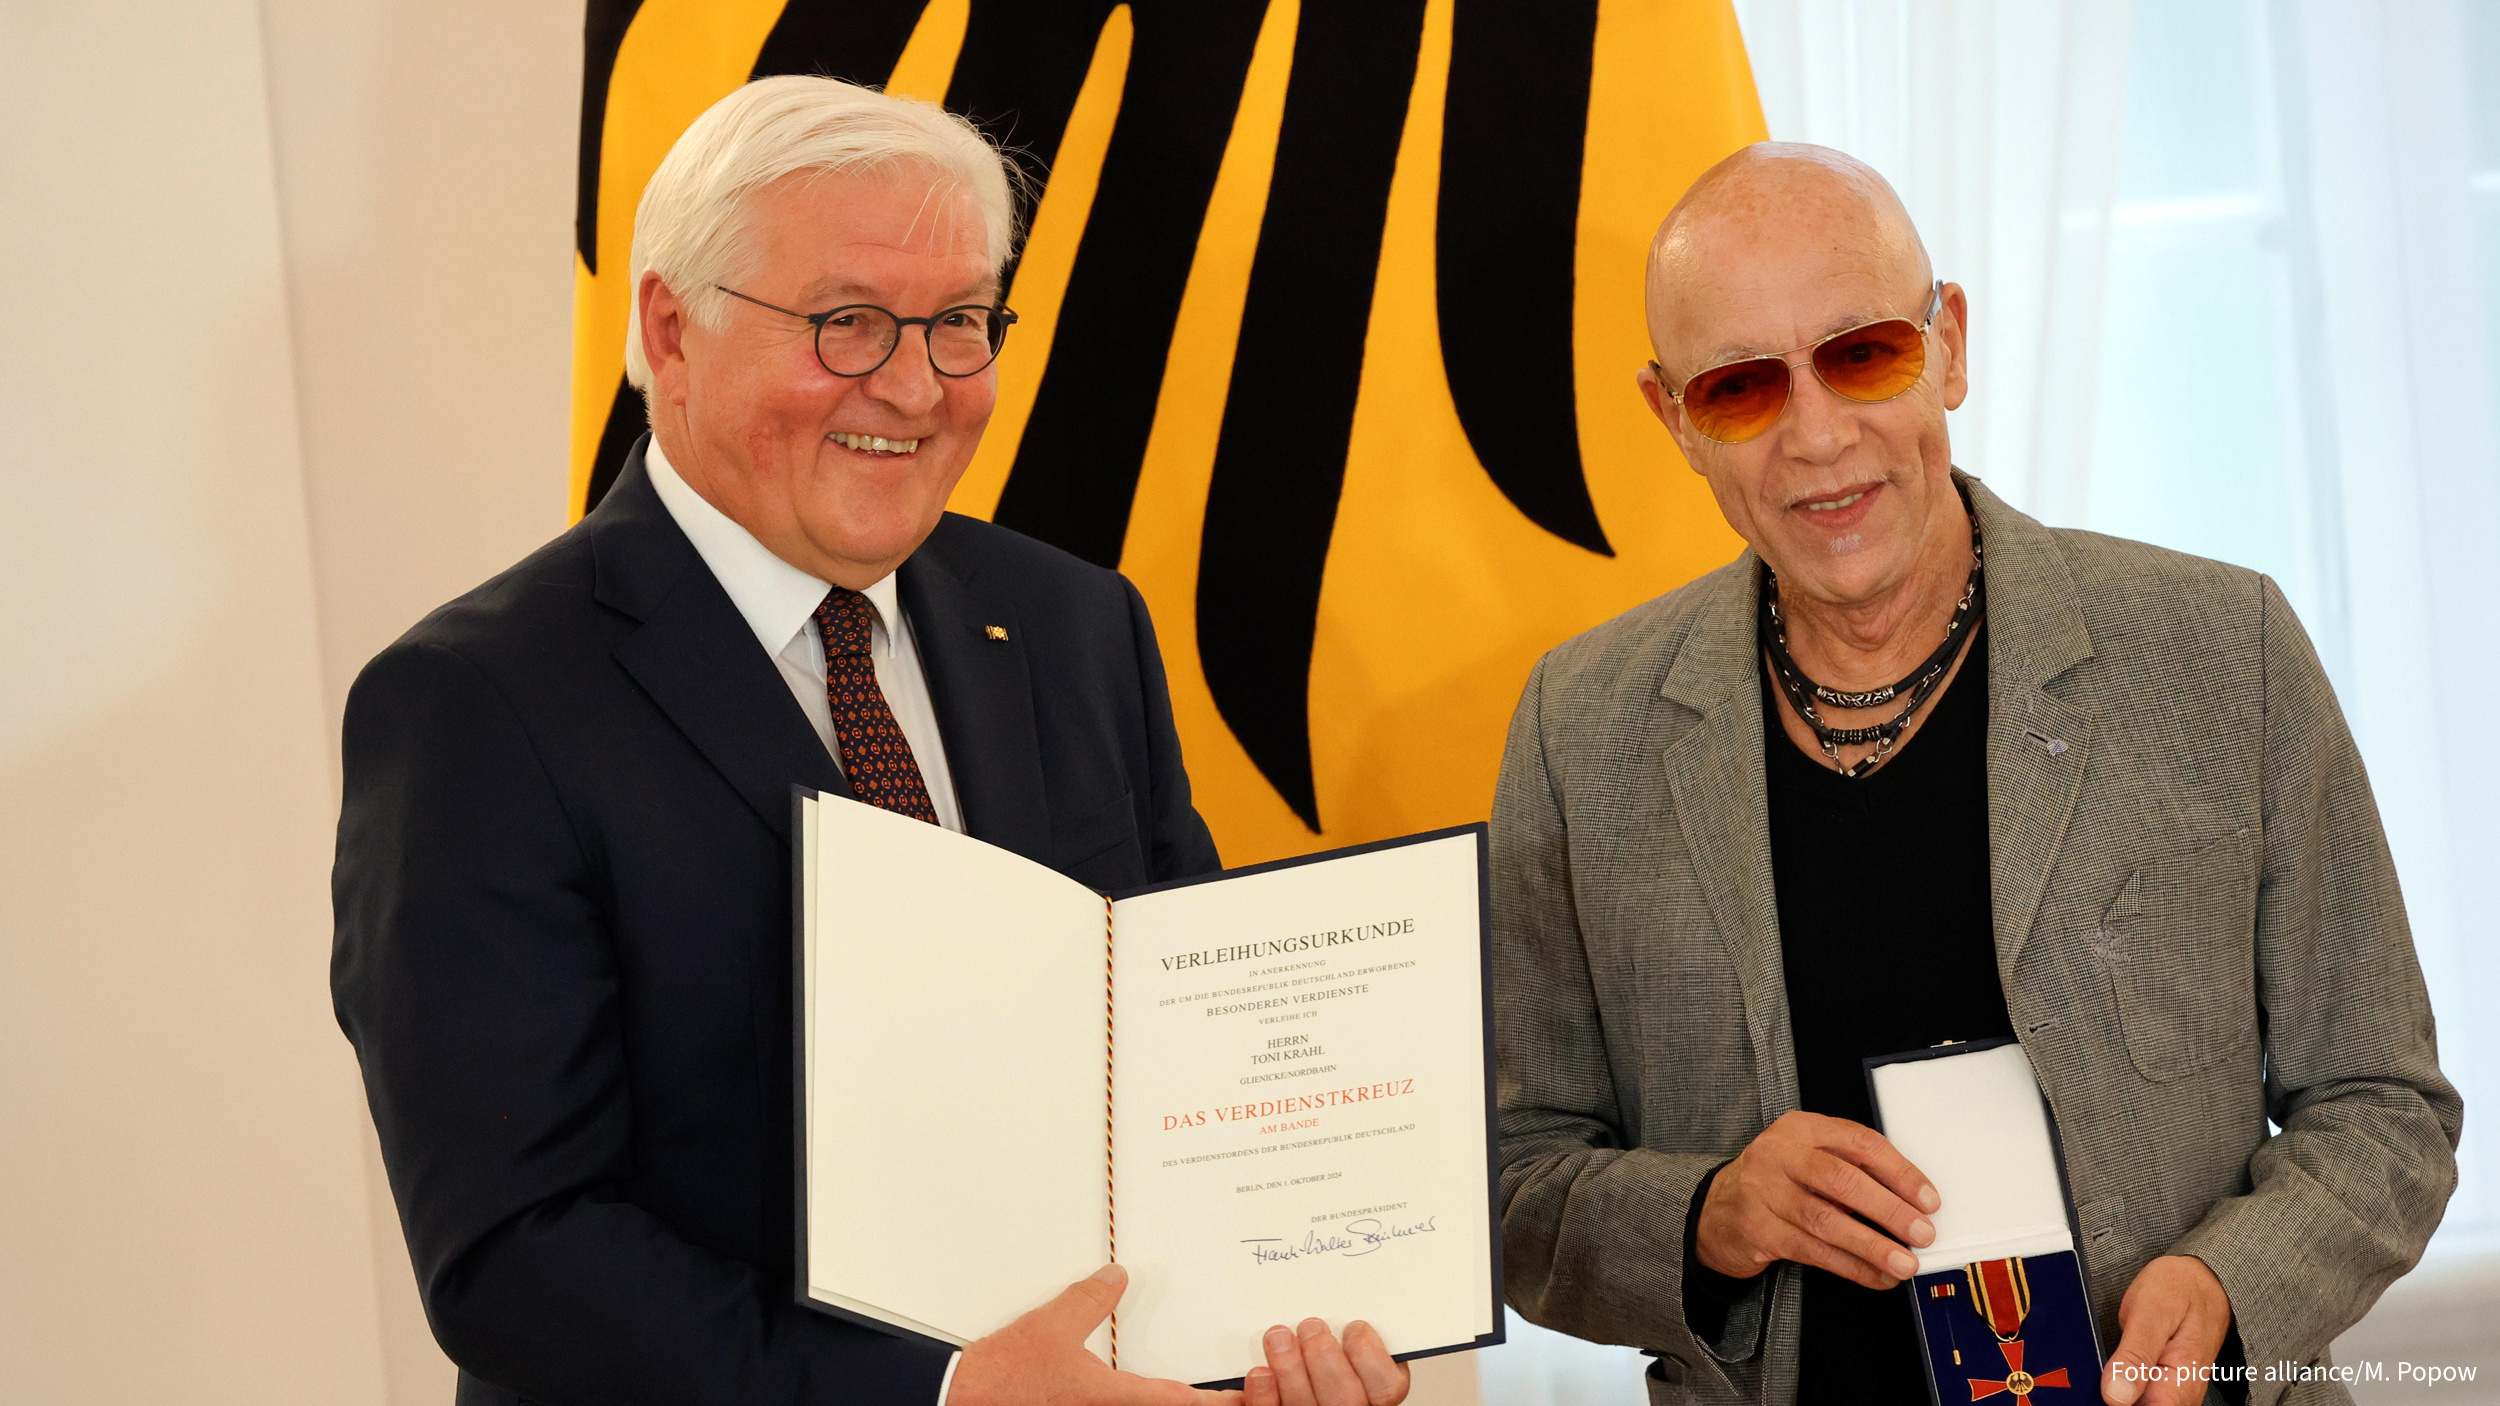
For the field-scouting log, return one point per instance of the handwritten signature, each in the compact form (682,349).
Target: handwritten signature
(1349,1241)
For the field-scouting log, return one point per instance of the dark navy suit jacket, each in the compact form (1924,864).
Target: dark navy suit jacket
(563,945)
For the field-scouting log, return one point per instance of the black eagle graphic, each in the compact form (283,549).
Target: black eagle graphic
(1515,123)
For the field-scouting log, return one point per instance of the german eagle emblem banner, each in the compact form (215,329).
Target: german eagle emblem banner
(1329,317)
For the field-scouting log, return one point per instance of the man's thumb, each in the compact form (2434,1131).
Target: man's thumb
(2125,1378)
(1083,1305)
(2133,1368)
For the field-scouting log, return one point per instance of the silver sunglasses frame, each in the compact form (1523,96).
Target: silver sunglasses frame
(1927,319)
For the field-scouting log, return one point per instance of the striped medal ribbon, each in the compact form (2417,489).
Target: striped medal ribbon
(2000,1293)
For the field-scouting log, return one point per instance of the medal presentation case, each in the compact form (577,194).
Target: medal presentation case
(2003,1310)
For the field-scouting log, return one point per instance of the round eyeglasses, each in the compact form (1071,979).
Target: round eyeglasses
(1870,364)
(857,338)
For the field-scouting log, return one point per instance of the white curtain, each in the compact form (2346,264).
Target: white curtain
(1997,124)
(2234,270)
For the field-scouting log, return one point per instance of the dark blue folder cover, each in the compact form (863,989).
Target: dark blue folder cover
(2051,1358)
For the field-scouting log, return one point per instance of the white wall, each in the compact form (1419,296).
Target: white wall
(425,154)
(181,1197)
(287,367)
(425,178)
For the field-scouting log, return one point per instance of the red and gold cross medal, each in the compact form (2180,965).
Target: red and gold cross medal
(2000,1294)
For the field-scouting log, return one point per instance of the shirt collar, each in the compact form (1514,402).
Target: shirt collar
(776,598)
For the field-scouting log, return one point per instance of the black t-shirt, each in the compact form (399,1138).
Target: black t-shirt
(1888,943)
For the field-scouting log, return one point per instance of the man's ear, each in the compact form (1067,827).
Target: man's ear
(1654,391)
(1669,413)
(1953,331)
(663,337)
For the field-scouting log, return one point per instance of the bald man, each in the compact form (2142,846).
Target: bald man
(1914,769)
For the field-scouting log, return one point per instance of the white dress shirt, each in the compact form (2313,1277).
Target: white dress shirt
(779,602)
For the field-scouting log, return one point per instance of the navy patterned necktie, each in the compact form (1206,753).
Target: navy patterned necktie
(876,757)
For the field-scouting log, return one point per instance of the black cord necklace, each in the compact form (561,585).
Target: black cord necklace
(1919,685)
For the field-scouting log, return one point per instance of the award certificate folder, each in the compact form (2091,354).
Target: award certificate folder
(1267,1092)
(2001,1299)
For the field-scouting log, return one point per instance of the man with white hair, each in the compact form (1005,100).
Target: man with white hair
(1915,769)
(562,889)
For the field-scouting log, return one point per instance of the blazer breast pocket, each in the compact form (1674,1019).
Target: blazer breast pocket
(2180,940)
(1100,847)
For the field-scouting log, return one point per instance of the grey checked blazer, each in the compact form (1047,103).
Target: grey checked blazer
(2197,928)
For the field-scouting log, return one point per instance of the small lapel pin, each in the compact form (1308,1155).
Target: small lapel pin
(2055,746)
(999,632)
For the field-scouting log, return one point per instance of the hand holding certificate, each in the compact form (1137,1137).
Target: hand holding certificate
(1308,1368)
(1264,1094)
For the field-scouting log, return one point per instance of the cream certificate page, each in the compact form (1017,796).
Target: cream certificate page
(1300,1107)
(953,1110)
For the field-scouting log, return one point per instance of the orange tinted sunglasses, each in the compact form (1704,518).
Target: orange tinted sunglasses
(1734,402)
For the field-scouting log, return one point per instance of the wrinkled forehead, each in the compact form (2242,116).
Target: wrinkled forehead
(853,231)
(907,203)
(1765,292)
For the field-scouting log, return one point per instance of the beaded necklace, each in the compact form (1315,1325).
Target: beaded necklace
(1919,685)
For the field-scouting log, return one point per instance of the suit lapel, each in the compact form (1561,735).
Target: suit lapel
(1715,773)
(982,687)
(696,658)
(2035,634)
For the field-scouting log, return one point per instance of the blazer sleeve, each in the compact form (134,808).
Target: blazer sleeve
(1178,845)
(1592,1229)
(2345,1197)
(473,971)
